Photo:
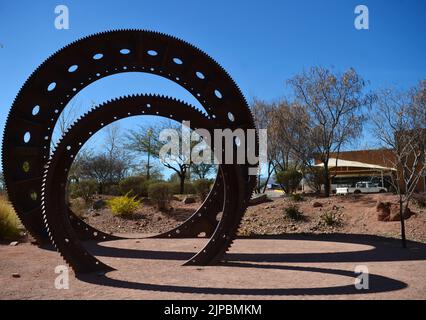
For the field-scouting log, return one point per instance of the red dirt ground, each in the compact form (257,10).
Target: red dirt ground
(296,260)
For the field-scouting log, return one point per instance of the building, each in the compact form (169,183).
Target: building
(364,165)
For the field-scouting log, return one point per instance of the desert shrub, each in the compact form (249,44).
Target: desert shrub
(329,218)
(78,206)
(315,178)
(189,187)
(293,212)
(297,197)
(202,188)
(160,193)
(85,189)
(137,186)
(9,223)
(112,190)
(123,205)
(290,179)
(420,199)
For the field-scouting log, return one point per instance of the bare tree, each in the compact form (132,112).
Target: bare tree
(202,170)
(400,124)
(262,112)
(332,106)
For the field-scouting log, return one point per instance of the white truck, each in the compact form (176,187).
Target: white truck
(362,187)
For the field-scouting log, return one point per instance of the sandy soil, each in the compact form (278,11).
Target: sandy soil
(291,267)
(282,258)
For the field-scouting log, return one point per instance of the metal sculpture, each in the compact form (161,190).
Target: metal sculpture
(26,141)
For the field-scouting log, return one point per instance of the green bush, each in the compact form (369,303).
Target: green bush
(137,186)
(112,190)
(315,178)
(290,179)
(329,218)
(293,212)
(160,193)
(9,223)
(202,188)
(189,187)
(85,189)
(297,197)
(123,205)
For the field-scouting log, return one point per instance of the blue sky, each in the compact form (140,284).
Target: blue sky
(260,43)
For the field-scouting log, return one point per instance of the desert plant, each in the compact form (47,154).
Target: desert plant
(329,218)
(137,186)
(189,187)
(289,179)
(160,193)
(85,189)
(202,188)
(420,199)
(123,205)
(315,178)
(297,197)
(293,212)
(9,223)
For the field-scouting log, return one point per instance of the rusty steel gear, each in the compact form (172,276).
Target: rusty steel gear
(30,123)
(54,205)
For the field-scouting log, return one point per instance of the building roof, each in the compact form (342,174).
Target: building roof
(354,164)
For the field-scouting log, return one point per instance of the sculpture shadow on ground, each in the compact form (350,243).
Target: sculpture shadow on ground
(383,249)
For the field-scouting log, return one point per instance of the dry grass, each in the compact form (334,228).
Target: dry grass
(9,222)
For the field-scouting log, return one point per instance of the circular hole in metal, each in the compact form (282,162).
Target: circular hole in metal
(98,56)
(124,51)
(27,137)
(237,141)
(177,61)
(73,68)
(35,110)
(33,195)
(218,94)
(231,117)
(200,75)
(26,166)
(152,53)
(51,86)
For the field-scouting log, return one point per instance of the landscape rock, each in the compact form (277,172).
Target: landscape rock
(188,200)
(14,243)
(16,275)
(387,211)
(98,204)
(317,205)
(258,199)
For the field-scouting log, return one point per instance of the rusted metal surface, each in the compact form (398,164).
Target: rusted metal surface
(29,127)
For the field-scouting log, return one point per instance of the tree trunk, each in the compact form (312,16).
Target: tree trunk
(326,181)
(182,183)
(269,176)
(401,213)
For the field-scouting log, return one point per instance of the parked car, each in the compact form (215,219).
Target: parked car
(362,187)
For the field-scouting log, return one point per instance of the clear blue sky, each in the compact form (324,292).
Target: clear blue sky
(260,43)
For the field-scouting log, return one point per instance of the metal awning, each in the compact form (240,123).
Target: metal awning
(354,164)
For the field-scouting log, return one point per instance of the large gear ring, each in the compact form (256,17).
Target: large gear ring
(54,205)
(28,132)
